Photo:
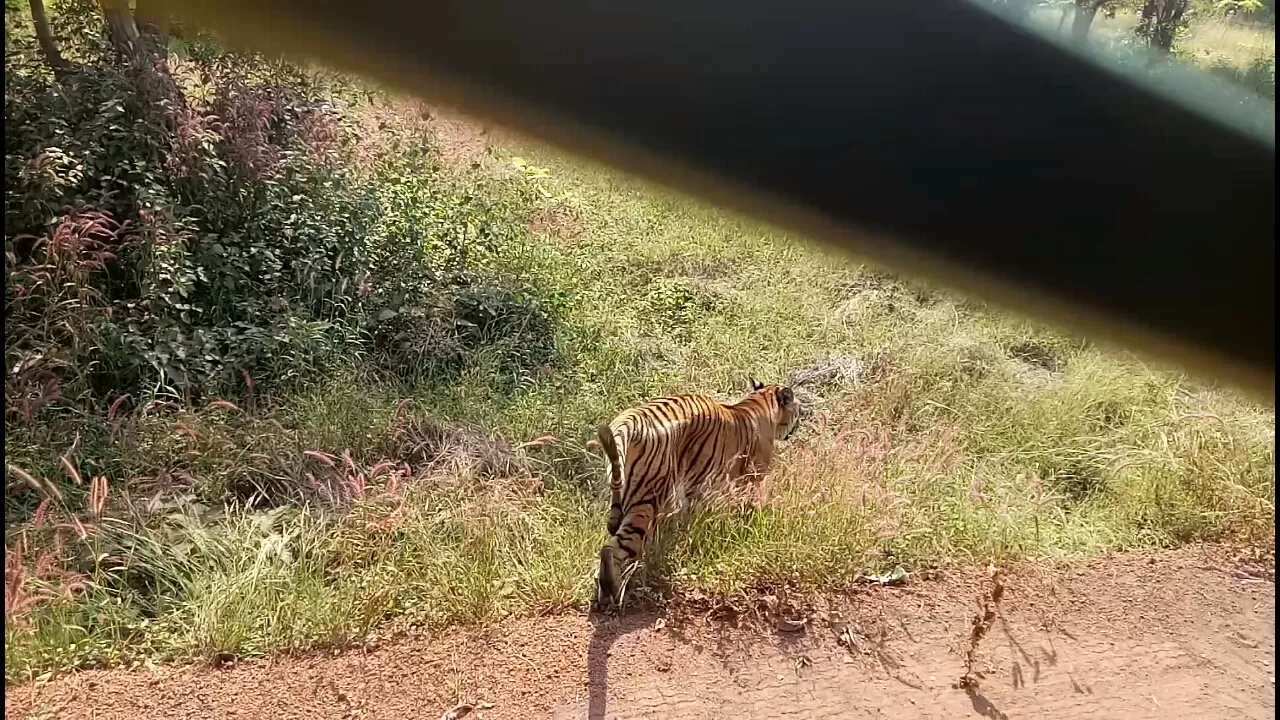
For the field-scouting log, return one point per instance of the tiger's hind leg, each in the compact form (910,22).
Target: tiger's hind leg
(624,547)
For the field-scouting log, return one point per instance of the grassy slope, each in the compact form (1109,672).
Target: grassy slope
(941,432)
(963,435)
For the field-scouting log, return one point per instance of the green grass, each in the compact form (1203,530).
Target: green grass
(938,432)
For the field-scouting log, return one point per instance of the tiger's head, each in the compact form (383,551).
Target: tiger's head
(783,407)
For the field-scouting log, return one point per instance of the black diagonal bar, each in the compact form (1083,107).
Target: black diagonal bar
(927,134)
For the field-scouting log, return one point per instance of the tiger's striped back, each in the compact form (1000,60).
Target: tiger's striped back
(672,447)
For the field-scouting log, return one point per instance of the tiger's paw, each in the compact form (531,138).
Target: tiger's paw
(605,601)
(605,605)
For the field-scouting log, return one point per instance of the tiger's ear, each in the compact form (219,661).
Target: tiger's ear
(786,395)
(756,385)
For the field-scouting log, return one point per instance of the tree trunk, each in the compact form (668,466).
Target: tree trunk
(124,32)
(153,23)
(45,36)
(156,86)
(1160,22)
(1086,11)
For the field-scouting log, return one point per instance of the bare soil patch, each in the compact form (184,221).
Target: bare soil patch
(1182,634)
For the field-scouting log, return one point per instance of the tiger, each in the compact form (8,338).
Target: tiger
(672,448)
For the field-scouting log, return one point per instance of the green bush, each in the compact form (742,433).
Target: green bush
(222,236)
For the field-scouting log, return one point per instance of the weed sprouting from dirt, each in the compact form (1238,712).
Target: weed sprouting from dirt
(979,626)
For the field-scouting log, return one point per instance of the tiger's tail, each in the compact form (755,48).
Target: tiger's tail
(616,452)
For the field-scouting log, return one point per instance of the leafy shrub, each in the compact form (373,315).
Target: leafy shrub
(207,227)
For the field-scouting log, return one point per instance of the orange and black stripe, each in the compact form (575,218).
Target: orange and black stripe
(676,446)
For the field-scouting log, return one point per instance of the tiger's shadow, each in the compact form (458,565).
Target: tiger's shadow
(646,586)
(607,629)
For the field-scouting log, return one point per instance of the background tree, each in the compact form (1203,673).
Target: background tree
(144,51)
(1160,22)
(153,25)
(1086,11)
(45,37)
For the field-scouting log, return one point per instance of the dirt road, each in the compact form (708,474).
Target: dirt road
(1187,634)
